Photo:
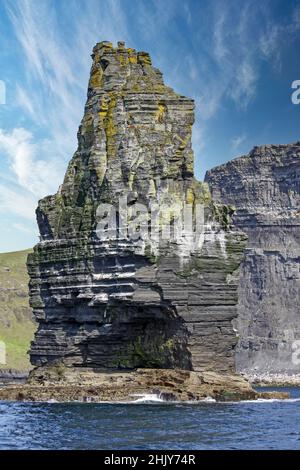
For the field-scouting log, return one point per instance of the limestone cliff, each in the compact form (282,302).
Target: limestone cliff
(112,300)
(265,186)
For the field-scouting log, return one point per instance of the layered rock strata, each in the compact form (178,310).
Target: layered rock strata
(265,188)
(108,296)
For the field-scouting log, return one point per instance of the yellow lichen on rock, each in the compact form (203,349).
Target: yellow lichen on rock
(123,59)
(144,58)
(131,51)
(202,192)
(105,45)
(96,78)
(109,126)
(132,59)
(190,196)
(109,119)
(160,114)
(103,108)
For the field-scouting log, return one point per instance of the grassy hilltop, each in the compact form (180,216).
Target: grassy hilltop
(16,324)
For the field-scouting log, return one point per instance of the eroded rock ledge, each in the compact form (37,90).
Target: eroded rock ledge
(89,385)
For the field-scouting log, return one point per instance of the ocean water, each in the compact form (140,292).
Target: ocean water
(152,424)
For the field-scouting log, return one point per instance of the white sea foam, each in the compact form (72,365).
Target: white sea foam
(147,398)
(208,400)
(153,398)
(269,400)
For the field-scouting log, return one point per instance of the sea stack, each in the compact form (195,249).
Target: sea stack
(105,297)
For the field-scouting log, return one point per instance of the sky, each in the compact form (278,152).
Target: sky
(237,59)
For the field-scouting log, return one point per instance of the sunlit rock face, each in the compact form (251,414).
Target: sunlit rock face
(265,188)
(106,295)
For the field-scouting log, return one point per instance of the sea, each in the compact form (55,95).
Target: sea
(150,423)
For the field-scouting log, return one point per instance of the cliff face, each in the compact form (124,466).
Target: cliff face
(119,298)
(265,186)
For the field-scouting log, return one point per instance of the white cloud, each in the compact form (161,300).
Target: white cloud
(17,203)
(55,84)
(24,101)
(234,53)
(187,12)
(241,34)
(57,60)
(269,41)
(295,25)
(192,68)
(245,84)
(236,142)
(199,138)
(38,176)
(277,35)
(220,48)
(23,228)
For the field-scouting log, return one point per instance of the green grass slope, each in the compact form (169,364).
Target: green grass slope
(16,324)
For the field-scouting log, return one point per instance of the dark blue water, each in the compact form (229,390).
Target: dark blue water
(246,425)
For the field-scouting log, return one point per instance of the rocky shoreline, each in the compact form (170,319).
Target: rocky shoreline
(276,380)
(89,385)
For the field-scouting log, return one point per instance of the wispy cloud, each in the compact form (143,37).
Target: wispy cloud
(277,36)
(22,228)
(54,88)
(237,142)
(242,34)
(17,203)
(24,101)
(56,58)
(38,176)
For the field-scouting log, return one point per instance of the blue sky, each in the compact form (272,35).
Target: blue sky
(237,59)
